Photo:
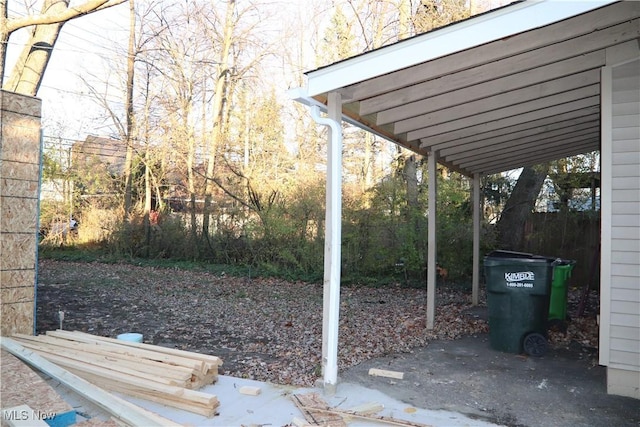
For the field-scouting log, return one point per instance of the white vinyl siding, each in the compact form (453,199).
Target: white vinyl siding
(624,271)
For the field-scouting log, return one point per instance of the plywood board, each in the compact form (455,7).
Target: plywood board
(23,104)
(20,385)
(20,294)
(17,278)
(19,215)
(18,251)
(18,170)
(21,139)
(19,185)
(17,318)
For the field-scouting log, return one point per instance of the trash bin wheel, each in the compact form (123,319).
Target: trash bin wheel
(535,344)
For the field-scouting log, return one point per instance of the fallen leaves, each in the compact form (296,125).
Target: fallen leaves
(263,328)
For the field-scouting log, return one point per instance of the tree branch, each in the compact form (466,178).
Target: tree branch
(57,18)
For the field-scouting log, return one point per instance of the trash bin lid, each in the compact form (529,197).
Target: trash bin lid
(509,254)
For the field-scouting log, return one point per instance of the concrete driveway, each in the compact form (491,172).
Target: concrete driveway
(563,388)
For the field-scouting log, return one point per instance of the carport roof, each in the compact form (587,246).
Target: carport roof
(516,86)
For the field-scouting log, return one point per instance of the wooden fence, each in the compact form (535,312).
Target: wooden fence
(568,235)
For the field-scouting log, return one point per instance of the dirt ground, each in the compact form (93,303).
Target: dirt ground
(271,330)
(263,328)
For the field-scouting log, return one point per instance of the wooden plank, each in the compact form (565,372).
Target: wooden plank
(316,411)
(205,373)
(384,373)
(111,363)
(120,348)
(367,408)
(314,408)
(153,389)
(250,390)
(119,408)
(207,410)
(130,374)
(207,358)
(169,391)
(83,352)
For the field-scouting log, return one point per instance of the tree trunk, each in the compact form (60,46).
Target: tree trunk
(410,173)
(29,69)
(4,39)
(218,101)
(128,165)
(519,206)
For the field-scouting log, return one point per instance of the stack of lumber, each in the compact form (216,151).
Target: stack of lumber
(163,375)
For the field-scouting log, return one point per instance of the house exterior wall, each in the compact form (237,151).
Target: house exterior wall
(20,154)
(620,269)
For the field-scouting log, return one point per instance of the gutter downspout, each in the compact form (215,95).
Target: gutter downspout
(332,245)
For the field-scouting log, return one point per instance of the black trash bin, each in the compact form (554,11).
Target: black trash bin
(518,289)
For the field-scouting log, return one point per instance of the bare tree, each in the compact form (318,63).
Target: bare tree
(29,69)
(221,86)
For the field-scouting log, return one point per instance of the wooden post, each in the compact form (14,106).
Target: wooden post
(333,237)
(332,240)
(475,283)
(431,239)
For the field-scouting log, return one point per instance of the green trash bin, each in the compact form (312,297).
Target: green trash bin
(559,289)
(518,289)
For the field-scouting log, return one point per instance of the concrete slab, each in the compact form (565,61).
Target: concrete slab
(274,407)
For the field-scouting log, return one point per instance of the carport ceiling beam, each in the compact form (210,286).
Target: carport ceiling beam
(541,108)
(523,130)
(541,158)
(528,152)
(480,148)
(499,92)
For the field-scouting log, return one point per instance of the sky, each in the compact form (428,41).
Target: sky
(82,51)
(79,50)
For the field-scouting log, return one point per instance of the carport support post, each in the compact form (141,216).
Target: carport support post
(475,283)
(432,166)
(332,244)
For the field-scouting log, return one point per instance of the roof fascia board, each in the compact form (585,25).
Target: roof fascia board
(464,35)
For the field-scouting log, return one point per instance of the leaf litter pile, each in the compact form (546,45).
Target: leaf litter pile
(263,328)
